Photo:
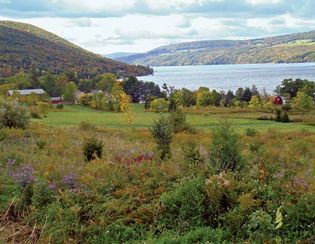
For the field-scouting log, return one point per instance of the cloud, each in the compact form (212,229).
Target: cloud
(111,8)
(105,26)
(80,22)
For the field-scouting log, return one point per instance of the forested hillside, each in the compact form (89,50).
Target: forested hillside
(24,46)
(292,48)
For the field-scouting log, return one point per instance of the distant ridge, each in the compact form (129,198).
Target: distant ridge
(293,48)
(24,46)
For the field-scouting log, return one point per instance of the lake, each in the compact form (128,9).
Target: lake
(230,77)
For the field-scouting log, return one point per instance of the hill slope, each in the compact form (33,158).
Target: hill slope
(292,48)
(26,46)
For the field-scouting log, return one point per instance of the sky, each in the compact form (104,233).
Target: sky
(107,26)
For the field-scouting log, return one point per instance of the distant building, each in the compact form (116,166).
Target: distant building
(26,92)
(93,92)
(276,100)
(56,100)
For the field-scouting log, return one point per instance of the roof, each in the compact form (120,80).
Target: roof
(55,98)
(26,91)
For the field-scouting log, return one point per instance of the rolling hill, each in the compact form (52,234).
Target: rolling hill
(294,48)
(23,46)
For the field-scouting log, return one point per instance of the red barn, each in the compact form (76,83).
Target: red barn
(56,100)
(276,100)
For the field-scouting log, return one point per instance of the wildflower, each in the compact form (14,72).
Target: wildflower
(23,175)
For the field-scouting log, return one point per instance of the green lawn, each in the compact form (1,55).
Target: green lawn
(74,115)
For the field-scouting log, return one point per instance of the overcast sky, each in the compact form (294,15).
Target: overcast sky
(106,26)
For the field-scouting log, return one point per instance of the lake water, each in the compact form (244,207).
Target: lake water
(230,77)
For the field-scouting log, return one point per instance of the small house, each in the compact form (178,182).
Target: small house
(276,100)
(56,100)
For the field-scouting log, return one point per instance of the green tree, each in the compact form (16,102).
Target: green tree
(254,102)
(215,98)
(22,80)
(292,87)
(162,133)
(159,105)
(106,82)
(51,86)
(203,98)
(303,101)
(69,92)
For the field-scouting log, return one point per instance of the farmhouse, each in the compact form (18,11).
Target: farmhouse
(26,92)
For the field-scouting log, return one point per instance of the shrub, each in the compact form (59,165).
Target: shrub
(225,150)
(43,108)
(250,132)
(260,226)
(299,222)
(183,208)
(159,105)
(59,106)
(12,114)
(35,112)
(178,122)
(162,133)
(92,149)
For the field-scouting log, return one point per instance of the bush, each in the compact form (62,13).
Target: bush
(162,133)
(43,108)
(12,114)
(299,222)
(250,132)
(225,150)
(159,105)
(260,226)
(178,122)
(35,112)
(59,106)
(92,149)
(183,208)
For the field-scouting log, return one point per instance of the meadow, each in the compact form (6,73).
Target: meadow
(206,119)
(49,193)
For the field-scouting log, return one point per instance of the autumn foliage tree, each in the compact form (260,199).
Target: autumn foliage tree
(125,108)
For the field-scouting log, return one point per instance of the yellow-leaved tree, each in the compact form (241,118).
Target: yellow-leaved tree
(125,108)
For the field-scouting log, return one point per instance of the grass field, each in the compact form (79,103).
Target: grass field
(73,115)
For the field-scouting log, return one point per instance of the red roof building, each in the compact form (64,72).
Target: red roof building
(56,100)
(276,100)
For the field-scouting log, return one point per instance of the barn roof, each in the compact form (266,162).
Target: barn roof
(26,91)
